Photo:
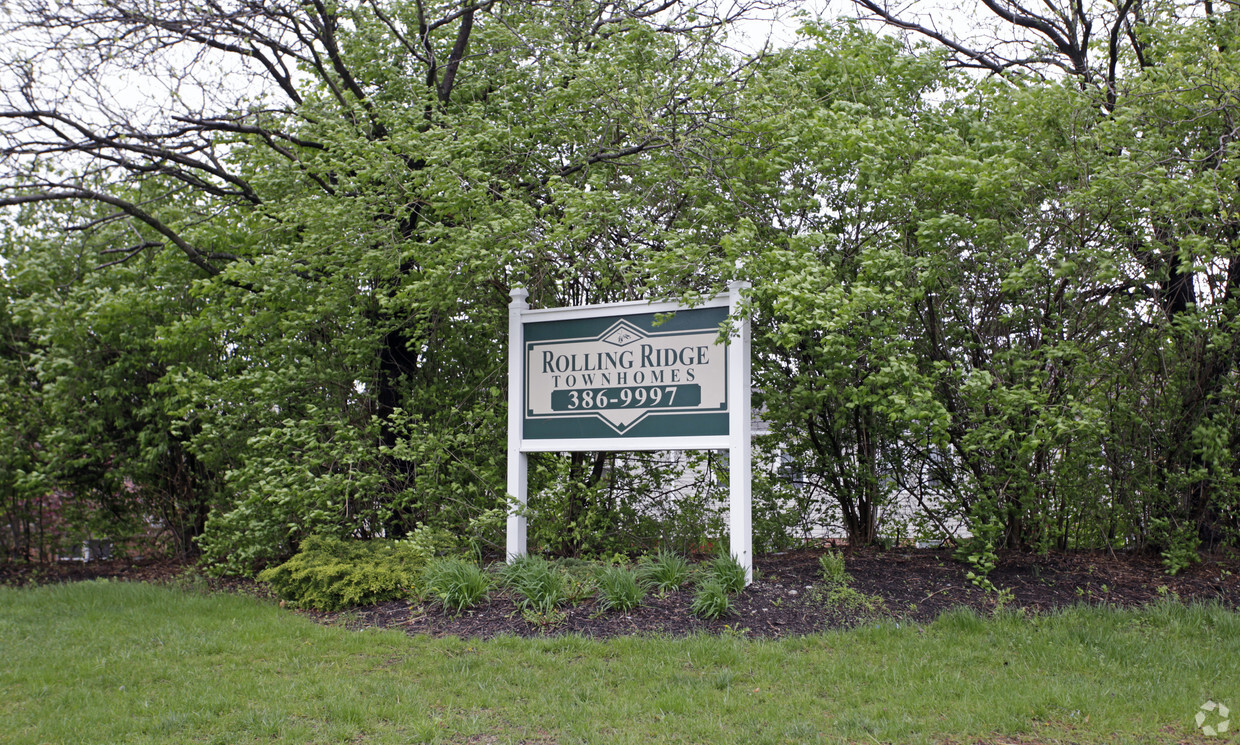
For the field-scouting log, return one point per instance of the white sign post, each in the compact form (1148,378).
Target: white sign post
(630,376)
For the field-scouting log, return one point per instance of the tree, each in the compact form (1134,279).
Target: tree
(965,290)
(802,217)
(356,198)
(1151,144)
(27,508)
(85,353)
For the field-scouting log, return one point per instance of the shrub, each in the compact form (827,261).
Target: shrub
(619,589)
(457,584)
(728,572)
(1179,544)
(664,571)
(711,601)
(979,552)
(330,573)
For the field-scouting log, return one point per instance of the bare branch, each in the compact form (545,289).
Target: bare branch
(130,252)
(1058,34)
(82,194)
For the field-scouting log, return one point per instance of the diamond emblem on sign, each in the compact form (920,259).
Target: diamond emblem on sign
(622,334)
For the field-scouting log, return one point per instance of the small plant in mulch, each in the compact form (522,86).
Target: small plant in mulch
(580,584)
(848,598)
(831,568)
(541,588)
(665,571)
(836,590)
(619,588)
(726,570)
(457,584)
(711,601)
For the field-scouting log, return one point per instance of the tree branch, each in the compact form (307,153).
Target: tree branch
(130,252)
(195,256)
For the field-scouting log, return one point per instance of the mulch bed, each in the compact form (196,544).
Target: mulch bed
(141,570)
(786,598)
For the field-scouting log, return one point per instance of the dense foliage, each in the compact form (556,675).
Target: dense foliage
(250,313)
(331,574)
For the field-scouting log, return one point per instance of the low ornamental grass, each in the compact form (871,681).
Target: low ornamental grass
(457,584)
(711,601)
(723,577)
(539,584)
(728,572)
(665,571)
(619,589)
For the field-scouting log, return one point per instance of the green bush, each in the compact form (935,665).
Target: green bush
(330,574)
(664,571)
(711,601)
(457,584)
(1178,544)
(619,589)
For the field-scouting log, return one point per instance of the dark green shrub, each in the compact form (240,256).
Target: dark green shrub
(330,574)
(457,584)
(619,589)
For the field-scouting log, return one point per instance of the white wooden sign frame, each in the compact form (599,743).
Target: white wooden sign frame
(738,440)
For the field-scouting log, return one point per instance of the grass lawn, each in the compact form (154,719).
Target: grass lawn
(112,662)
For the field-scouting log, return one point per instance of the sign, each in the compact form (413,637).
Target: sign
(630,376)
(626,376)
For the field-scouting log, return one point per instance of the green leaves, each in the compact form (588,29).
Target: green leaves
(330,574)
(964,292)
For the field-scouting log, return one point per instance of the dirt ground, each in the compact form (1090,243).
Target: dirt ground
(786,598)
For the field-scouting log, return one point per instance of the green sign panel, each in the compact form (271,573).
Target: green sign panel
(626,376)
